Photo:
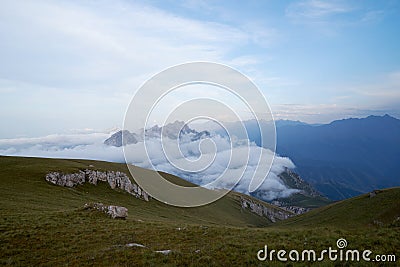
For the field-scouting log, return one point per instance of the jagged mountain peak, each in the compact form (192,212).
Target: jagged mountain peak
(171,130)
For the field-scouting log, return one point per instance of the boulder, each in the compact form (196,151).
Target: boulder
(115,212)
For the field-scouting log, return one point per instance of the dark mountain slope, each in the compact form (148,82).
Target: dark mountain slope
(346,157)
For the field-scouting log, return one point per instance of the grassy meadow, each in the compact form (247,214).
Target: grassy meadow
(45,225)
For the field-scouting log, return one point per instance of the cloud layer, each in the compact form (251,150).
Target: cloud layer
(213,154)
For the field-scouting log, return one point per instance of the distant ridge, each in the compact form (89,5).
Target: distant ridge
(345,157)
(341,159)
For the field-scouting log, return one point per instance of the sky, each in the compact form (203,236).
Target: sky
(69,67)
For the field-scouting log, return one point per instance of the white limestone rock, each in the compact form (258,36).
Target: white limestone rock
(164,252)
(116,180)
(272,214)
(135,245)
(117,212)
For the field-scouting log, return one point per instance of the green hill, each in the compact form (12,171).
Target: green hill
(45,225)
(23,189)
(382,209)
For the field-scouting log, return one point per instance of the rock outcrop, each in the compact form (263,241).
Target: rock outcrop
(116,180)
(273,214)
(115,212)
(293,180)
(295,209)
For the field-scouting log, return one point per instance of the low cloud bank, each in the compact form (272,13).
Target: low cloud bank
(216,151)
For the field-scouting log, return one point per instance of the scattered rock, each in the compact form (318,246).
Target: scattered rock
(115,212)
(396,222)
(135,245)
(164,252)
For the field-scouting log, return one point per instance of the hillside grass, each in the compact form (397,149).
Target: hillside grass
(361,211)
(45,225)
(23,189)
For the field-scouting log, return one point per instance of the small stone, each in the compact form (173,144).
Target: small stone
(374,193)
(135,245)
(164,252)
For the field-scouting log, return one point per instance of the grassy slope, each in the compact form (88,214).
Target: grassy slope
(356,212)
(42,224)
(23,189)
(301,200)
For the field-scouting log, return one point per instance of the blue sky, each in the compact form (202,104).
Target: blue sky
(71,66)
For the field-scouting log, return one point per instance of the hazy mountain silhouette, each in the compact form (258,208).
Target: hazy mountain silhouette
(343,158)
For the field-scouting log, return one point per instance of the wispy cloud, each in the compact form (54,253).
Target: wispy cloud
(96,54)
(316,9)
(76,64)
(337,13)
(384,90)
(92,42)
(373,16)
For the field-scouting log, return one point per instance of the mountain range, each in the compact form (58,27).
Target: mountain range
(302,195)
(171,130)
(346,157)
(341,159)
